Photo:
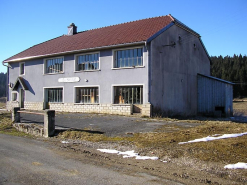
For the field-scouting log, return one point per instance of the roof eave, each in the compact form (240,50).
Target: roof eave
(218,79)
(75,51)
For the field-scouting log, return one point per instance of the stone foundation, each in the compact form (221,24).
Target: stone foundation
(147,110)
(120,109)
(93,108)
(10,105)
(33,105)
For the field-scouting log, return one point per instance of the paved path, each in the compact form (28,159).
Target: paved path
(27,161)
(111,125)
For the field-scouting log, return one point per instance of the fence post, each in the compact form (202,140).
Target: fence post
(15,114)
(49,123)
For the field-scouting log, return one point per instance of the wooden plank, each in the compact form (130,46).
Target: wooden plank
(28,112)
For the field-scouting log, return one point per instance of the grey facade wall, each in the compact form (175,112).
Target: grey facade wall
(173,72)
(105,79)
(213,95)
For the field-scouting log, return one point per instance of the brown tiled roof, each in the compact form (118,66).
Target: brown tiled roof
(131,32)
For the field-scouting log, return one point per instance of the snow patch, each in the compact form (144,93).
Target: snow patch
(211,138)
(64,142)
(128,154)
(109,151)
(238,165)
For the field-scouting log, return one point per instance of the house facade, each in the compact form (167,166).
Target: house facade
(147,66)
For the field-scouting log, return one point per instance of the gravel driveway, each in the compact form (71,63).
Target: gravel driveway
(110,125)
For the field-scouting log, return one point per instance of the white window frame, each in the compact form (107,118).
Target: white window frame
(126,48)
(14,92)
(127,85)
(44,66)
(86,86)
(20,64)
(75,62)
(54,87)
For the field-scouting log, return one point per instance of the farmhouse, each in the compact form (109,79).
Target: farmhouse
(147,66)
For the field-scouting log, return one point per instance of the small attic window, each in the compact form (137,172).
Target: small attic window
(22,68)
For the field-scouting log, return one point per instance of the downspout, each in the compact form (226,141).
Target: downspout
(7,82)
(149,72)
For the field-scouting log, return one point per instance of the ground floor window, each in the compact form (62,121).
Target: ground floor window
(128,95)
(87,95)
(55,95)
(14,96)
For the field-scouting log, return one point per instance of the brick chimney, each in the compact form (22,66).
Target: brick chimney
(72,29)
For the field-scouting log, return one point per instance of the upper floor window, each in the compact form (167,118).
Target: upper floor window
(87,62)
(128,58)
(53,65)
(22,68)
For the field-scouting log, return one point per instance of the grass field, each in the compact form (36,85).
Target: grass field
(240,107)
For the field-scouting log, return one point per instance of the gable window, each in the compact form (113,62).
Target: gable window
(128,95)
(87,95)
(22,68)
(128,58)
(53,65)
(55,95)
(87,62)
(14,96)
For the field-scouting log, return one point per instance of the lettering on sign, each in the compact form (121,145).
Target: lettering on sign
(70,79)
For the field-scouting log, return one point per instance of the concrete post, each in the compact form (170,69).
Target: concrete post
(16,115)
(49,123)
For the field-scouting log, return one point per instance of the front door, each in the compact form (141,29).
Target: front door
(22,98)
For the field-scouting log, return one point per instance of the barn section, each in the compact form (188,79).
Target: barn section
(215,96)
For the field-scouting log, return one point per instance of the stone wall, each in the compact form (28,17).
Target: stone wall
(120,109)
(33,105)
(33,129)
(147,110)
(93,108)
(10,105)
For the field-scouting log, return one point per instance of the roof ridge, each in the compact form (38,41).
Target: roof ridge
(121,33)
(171,17)
(130,22)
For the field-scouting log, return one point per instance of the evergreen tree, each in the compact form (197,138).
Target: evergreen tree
(233,69)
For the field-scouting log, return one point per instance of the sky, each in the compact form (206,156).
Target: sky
(222,24)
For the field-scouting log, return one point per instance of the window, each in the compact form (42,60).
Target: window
(55,95)
(87,62)
(53,65)
(87,95)
(14,96)
(22,68)
(128,58)
(128,95)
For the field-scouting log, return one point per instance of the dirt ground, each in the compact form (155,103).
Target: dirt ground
(182,170)
(178,167)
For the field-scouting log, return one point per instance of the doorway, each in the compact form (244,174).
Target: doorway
(22,98)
